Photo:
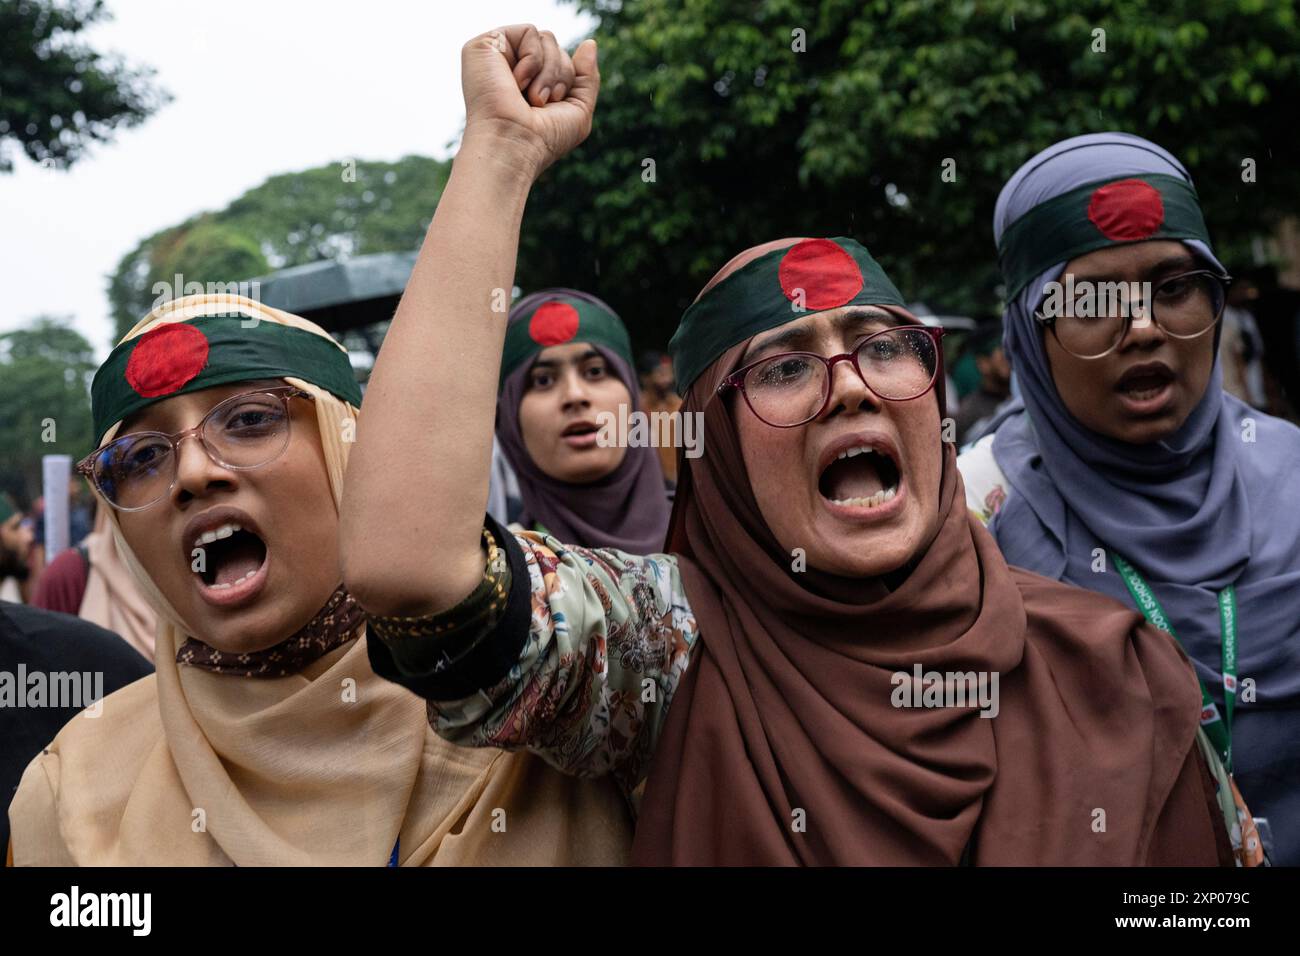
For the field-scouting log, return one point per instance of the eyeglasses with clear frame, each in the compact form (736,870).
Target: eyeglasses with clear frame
(243,432)
(792,388)
(1183,306)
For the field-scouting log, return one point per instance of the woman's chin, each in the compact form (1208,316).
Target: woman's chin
(242,631)
(862,556)
(1119,423)
(578,471)
(1149,432)
(853,566)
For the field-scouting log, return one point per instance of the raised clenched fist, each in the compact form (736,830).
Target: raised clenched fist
(522,90)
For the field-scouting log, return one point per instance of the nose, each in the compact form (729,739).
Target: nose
(196,473)
(848,390)
(1143,332)
(574,393)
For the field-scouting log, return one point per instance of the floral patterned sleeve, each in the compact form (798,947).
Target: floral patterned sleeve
(578,663)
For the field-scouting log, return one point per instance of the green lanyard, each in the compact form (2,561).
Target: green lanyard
(1216,728)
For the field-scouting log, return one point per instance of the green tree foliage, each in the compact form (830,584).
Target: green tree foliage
(752,140)
(45,373)
(769,118)
(330,212)
(57,96)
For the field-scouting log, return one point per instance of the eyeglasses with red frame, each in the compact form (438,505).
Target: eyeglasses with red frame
(792,388)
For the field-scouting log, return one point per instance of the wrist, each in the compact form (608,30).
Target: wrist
(515,154)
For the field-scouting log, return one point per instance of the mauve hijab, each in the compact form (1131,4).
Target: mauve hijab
(627,509)
(1194,513)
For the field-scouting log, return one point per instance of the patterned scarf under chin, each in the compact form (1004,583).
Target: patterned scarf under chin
(332,626)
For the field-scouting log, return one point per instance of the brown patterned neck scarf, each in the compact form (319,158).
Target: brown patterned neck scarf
(333,626)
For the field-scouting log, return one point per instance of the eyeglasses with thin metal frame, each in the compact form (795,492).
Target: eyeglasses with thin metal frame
(1218,283)
(924,336)
(104,466)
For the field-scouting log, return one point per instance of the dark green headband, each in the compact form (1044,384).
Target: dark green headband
(179,357)
(811,276)
(557,321)
(1107,212)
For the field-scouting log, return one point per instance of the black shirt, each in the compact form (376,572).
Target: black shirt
(39,642)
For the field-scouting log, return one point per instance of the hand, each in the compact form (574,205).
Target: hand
(525,93)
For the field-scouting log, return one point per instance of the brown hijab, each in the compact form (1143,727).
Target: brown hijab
(782,745)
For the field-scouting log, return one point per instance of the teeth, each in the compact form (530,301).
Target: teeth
(852,452)
(879,498)
(222,587)
(1144,393)
(216,534)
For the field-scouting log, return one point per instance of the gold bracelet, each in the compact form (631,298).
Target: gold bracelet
(478,611)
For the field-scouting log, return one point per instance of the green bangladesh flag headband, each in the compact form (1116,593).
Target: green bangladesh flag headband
(179,357)
(1107,212)
(812,276)
(557,321)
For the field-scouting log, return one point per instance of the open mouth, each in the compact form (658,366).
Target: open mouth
(580,434)
(232,555)
(860,477)
(1144,382)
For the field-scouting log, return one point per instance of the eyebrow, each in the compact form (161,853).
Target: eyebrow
(802,334)
(553,363)
(165,422)
(149,419)
(1175,263)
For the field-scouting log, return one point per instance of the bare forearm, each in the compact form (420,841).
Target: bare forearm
(417,481)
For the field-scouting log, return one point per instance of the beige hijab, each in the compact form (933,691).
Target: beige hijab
(112,599)
(329,766)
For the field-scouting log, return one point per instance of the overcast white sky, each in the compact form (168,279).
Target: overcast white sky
(260,87)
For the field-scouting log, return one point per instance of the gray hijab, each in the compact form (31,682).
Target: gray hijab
(1194,513)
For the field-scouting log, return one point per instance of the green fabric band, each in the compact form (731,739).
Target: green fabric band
(1108,212)
(179,357)
(559,321)
(812,276)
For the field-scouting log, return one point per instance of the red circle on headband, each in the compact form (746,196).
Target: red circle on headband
(1127,211)
(166,358)
(825,272)
(554,323)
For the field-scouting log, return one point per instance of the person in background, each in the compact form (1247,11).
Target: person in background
(1276,309)
(1241,347)
(977,408)
(16,537)
(566,379)
(1128,469)
(658,396)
